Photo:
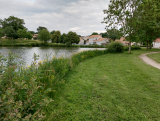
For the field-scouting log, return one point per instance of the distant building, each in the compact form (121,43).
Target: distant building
(122,40)
(156,43)
(96,39)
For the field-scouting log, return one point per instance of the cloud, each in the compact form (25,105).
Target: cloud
(80,16)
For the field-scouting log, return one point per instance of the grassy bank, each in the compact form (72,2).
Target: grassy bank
(106,87)
(155,56)
(37,43)
(109,87)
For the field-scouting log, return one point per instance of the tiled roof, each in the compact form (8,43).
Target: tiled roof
(100,39)
(121,40)
(87,41)
(93,36)
(157,40)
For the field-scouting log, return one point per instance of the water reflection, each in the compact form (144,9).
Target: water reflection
(27,52)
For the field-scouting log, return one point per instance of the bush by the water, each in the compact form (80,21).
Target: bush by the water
(115,47)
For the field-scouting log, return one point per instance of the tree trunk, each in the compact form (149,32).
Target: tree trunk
(0,40)
(147,46)
(28,41)
(150,45)
(129,47)
(21,41)
(12,41)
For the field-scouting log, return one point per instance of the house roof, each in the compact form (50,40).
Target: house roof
(100,39)
(121,40)
(87,41)
(93,36)
(157,40)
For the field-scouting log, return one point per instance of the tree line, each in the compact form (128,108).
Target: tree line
(13,27)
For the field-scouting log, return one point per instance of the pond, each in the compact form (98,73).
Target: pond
(26,53)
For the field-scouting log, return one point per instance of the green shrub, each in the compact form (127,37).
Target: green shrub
(137,47)
(115,47)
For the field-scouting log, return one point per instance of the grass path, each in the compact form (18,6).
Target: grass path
(110,87)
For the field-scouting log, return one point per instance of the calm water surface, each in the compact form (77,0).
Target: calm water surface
(26,53)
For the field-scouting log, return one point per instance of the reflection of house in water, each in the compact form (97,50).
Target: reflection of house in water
(93,39)
(156,43)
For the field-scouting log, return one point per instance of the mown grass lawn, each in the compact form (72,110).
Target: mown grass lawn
(109,87)
(155,56)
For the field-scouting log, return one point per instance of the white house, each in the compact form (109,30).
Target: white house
(156,43)
(97,39)
(81,42)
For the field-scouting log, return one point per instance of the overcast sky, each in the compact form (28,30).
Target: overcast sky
(80,16)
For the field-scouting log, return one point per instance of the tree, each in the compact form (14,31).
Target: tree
(113,33)
(94,33)
(104,35)
(32,32)
(123,13)
(44,35)
(40,28)
(1,22)
(63,38)
(29,36)
(72,37)
(22,33)
(1,33)
(149,21)
(14,22)
(10,32)
(56,37)
(52,32)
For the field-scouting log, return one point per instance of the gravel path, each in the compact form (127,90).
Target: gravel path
(149,61)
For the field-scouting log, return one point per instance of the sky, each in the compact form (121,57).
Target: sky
(81,16)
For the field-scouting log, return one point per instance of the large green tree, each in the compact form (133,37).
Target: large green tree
(123,13)
(44,35)
(149,21)
(72,37)
(10,32)
(14,22)
(56,37)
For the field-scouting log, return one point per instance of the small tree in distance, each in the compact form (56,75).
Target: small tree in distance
(29,36)
(44,35)
(94,33)
(22,33)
